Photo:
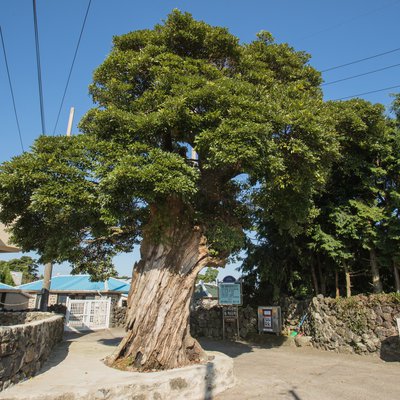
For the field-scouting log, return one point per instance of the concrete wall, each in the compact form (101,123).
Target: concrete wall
(26,340)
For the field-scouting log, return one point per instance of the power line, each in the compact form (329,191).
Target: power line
(360,60)
(39,70)
(373,91)
(373,11)
(363,74)
(72,66)
(11,89)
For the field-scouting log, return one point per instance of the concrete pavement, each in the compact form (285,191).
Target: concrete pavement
(291,373)
(275,371)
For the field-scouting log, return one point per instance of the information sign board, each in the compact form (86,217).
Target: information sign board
(230,294)
(230,314)
(229,279)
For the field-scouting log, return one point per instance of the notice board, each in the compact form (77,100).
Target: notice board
(230,294)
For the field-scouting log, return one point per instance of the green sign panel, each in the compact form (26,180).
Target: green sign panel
(230,294)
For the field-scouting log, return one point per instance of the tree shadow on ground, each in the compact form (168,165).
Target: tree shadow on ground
(230,348)
(390,349)
(115,341)
(57,355)
(60,351)
(269,340)
(236,348)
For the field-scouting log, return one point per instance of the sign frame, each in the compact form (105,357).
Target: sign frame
(233,300)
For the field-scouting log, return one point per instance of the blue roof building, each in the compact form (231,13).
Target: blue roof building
(78,283)
(77,287)
(4,287)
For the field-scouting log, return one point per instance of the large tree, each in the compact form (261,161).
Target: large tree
(254,115)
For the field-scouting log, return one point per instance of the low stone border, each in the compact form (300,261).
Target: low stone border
(26,346)
(196,382)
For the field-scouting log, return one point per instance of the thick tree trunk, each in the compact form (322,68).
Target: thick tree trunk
(348,279)
(321,276)
(158,335)
(396,277)
(376,279)
(337,291)
(314,278)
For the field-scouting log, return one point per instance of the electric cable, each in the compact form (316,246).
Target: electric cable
(360,60)
(363,74)
(373,11)
(11,89)
(72,66)
(39,70)
(373,91)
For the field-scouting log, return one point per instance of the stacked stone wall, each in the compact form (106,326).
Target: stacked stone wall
(359,324)
(118,317)
(207,322)
(26,340)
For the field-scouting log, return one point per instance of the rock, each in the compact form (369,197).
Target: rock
(303,341)
(361,347)
(387,317)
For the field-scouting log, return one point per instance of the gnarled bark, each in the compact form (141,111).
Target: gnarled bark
(158,335)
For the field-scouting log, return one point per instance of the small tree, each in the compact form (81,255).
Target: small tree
(5,274)
(254,115)
(209,276)
(26,265)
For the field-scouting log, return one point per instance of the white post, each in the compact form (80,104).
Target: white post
(70,120)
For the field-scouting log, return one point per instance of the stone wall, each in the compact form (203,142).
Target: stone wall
(118,317)
(207,322)
(26,339)
(359,324)
(8,318)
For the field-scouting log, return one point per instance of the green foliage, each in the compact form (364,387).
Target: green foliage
(25,264)
(353,314)
(209,276)
(253,113)
(5,274)
(354,210)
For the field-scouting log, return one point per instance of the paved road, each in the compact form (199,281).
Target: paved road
(292,373)
(273,371)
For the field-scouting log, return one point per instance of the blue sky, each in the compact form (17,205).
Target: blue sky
(333,33)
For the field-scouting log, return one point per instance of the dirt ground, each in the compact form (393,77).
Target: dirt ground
(272,371)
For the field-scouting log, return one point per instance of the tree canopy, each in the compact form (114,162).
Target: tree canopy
(354,226)
(253,113)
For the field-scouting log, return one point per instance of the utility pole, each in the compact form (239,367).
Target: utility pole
(48,268)
(44,300)
(70,120)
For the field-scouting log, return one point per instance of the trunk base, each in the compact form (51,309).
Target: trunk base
(158,333)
